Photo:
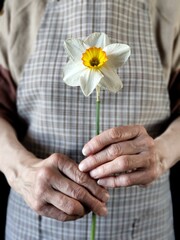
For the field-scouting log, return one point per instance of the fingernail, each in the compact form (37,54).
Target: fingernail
(94,173)
(106,197)
(102,182)
(85,150)
(81,166)
(104,211)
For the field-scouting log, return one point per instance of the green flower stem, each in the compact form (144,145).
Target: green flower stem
(97,116)
(93,226)
(97,109)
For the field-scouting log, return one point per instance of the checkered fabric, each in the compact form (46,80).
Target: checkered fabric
(61,119)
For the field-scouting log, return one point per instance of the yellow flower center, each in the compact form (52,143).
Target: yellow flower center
(94,58)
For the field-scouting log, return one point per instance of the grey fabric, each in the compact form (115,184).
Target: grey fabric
(61,119)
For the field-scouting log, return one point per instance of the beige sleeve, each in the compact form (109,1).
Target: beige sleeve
(174,80)
(176,51)
(19,25)
(166,23)
(18,29)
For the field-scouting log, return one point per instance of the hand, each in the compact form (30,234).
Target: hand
(56,188)
(122,156)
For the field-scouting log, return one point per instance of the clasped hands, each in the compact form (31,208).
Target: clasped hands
(59,188)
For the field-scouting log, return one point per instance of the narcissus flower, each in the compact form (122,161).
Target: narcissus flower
(94,62)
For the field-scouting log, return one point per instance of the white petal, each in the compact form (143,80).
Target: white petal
(117,54)
(111,80)
(74,48)
(89,81)
(72,73)
(97,40)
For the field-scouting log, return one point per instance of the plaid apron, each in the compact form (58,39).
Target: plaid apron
(61,119)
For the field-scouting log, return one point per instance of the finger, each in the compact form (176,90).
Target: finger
(110,136)
(71,170)
(130,179)
(121,164)
(64,203)
(52,212)
(112,152)
(81,194)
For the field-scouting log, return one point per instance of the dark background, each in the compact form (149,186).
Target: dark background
(4,191)
(175,190)
(1,4)
(174,177)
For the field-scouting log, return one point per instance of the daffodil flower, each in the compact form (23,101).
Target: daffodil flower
(94,62)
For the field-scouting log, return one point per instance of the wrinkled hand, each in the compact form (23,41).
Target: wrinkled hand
(56,188)
(122,156)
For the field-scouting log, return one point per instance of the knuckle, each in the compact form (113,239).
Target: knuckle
(104,169)
(150,142)
(99,192)
(39,191)
(94,159)
(55,157)
(124,162)
(44,173)
(71,209)
(114,134)
(141,129)
(153,174)
(136,130)
(78,193)
(126,181)
(151,161)
(38,207)
(41,182)
(82,179)
(114,151)
(134,144)
(96,142)
(116,182)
